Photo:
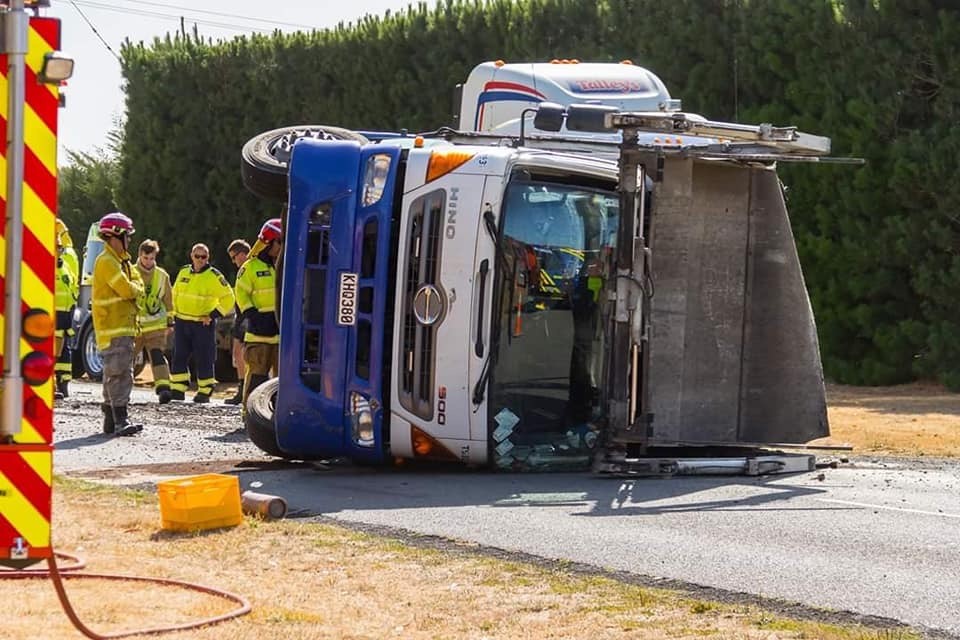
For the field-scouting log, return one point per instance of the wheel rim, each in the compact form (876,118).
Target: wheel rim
(91,355)
(282,147)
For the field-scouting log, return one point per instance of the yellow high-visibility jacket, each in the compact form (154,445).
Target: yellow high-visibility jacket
(157,300)
(201,294)
(257,300)
(67,288)
(115,290)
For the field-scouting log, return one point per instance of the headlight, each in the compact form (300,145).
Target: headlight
(361,416)
(375,178)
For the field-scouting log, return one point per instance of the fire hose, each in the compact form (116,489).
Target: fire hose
(57,575)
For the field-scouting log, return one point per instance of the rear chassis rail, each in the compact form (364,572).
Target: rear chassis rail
(756,462)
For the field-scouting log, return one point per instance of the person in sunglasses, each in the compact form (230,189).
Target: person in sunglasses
(201,294)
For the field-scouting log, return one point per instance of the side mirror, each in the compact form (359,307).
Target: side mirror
(549,116)
(588,117)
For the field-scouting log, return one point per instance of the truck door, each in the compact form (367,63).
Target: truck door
(483,304)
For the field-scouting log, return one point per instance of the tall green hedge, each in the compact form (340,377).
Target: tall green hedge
(880,77)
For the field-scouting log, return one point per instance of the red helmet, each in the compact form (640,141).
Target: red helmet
(116,224)
(270,231)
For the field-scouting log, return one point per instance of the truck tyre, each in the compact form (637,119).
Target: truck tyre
(263,160)
(90,354)
(258,418)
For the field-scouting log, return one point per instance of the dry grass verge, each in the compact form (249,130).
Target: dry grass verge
(309,580)
(919,419)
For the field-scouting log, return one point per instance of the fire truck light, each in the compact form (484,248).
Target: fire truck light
(32,408)
(56,68)
(36,368)
(38,325)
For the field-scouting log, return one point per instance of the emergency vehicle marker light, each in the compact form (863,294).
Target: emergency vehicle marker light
(38,325)
(36,368)
(499,63)
(418,142)
(443,162)
(31,407)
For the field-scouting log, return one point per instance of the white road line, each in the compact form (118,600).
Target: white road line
(880,506)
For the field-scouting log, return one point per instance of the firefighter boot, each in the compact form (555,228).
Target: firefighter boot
(237,397)
(109,426)
(122,424)
(62,387)
(164,395)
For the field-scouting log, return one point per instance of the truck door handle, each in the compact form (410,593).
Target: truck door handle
(484,269)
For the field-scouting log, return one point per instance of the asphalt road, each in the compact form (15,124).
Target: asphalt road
(876,538)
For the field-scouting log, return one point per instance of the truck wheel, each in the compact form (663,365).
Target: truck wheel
(90,354)
(258,418)
(264,158)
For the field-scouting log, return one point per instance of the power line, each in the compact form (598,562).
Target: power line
(97,33)
(168,16)
(222,15)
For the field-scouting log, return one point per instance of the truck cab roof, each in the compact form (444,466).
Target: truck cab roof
(497,92)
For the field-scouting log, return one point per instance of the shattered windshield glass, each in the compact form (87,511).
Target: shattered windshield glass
(558,239)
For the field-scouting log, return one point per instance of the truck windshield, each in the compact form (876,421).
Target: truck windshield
(558,240)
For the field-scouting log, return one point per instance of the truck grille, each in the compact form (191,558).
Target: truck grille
(421,267)
(314,304)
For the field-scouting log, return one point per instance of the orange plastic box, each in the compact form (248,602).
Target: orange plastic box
(206,501)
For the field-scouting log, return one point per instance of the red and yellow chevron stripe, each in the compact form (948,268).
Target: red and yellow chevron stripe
(26,466)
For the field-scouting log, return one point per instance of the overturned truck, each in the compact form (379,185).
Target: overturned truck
(615,289)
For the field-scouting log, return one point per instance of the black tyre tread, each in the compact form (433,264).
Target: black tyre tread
(258,418)
(263,174)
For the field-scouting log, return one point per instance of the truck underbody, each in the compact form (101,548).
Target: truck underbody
(730,353)
(702,356)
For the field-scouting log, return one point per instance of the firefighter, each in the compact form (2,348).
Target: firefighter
(116,290)
(256,300)
(200,295)
(156,320)
(239,250)
(66,291)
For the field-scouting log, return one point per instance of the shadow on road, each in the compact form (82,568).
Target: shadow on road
(334,488)
(92,440)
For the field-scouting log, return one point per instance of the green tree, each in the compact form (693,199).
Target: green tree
(87,188)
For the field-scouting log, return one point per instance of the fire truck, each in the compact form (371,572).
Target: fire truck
(610,284)
(30,98)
